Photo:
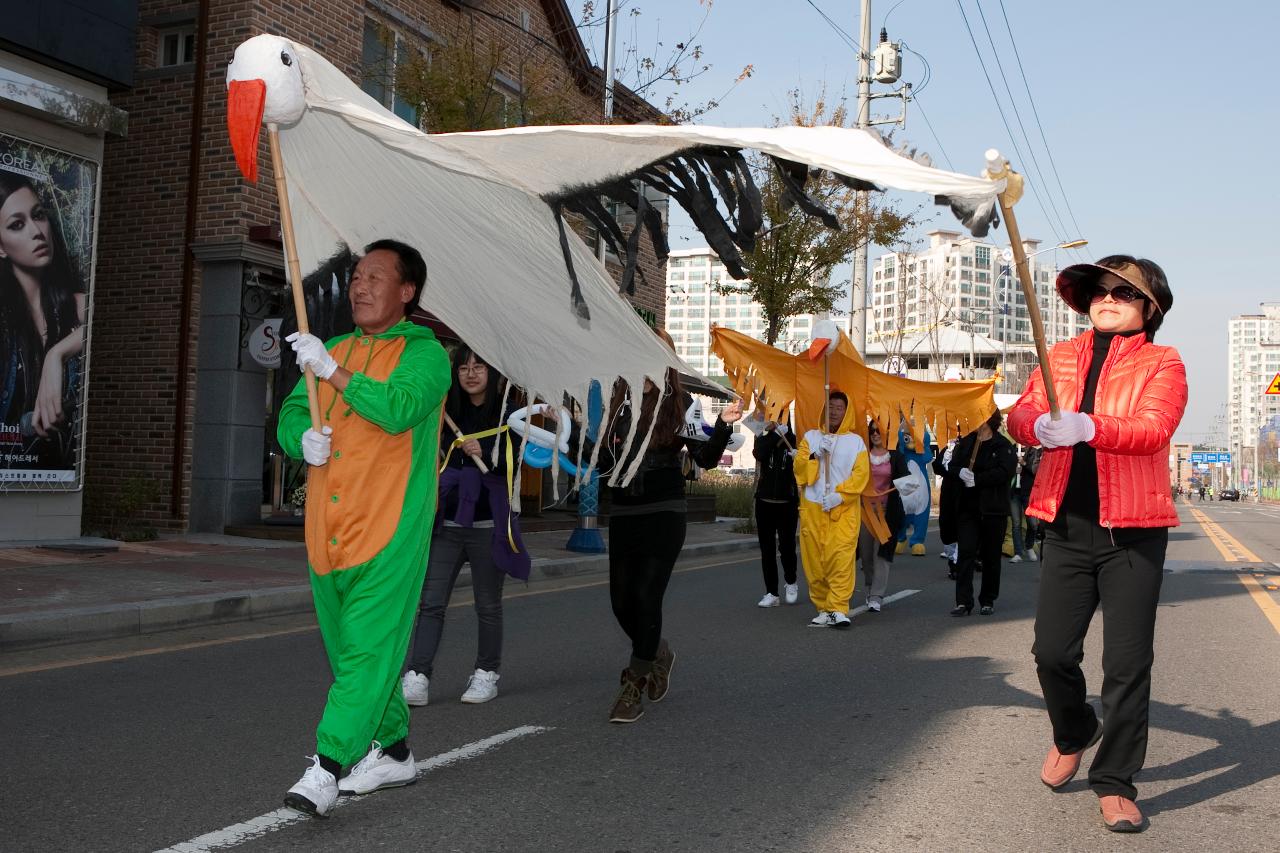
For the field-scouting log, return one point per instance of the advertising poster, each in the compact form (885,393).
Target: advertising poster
(48,202)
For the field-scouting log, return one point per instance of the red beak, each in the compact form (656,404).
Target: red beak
(245,102)
(818,347)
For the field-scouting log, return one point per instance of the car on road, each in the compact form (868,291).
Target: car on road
(1229,495)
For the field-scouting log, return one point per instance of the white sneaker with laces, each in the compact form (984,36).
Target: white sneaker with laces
(316,791)
(481,687)
(1031,555)
(769,600)
(414,685)
(378,770)
(822,620)
(792,593)
(1016,558)
(873,605)
(841,620)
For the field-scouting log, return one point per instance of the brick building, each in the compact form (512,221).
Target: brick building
(178,419)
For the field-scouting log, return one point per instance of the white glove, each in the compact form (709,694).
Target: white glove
(1073,428)
(315,445)
(827,444)
(966,477)
(831,501)
(780,429)
(908,486)
(311,353)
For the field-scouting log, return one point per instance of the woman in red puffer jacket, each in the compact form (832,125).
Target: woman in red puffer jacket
(1103,491)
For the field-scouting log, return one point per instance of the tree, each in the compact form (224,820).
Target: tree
(790,267)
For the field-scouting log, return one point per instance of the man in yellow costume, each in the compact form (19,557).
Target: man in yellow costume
(371,499)
(832,469)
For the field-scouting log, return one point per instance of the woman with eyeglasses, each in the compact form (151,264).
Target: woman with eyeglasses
(1102,490)
(474,524)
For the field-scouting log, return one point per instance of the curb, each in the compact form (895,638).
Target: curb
(85,624)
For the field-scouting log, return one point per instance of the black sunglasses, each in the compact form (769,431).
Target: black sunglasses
(1122,293)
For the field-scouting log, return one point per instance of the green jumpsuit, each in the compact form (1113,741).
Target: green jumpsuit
(370,511)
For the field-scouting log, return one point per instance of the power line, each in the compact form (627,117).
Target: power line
(849,40)
(1036,113)
(1013,104)
(929,124)
(1000,108)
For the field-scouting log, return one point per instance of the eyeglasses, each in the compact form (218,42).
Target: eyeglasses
(472,369)
(1122,293)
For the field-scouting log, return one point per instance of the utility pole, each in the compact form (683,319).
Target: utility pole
(858,299)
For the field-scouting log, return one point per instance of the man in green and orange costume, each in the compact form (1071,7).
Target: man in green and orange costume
(371,501)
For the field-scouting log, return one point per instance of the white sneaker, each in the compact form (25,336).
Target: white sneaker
(792,593)
(873,605)
(481,687)
(1031,555)
(414,685)
(316,791)
(840,620)
(378,770)
(822,620)
(1016,558)
(769,600)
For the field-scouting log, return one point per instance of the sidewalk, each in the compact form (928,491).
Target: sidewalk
(93,589)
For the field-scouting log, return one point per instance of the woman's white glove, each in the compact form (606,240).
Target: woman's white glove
(1071,428)
(966,477)
(316,445)
(311,353)
(831,501)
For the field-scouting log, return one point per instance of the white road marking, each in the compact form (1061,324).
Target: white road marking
(239,833)
(888,599)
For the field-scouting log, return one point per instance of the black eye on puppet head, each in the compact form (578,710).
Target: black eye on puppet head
(286,58)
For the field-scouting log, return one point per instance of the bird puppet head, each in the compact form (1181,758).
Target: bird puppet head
(264,83)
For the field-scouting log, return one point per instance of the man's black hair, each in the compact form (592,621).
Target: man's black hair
(839,395)
(410,265)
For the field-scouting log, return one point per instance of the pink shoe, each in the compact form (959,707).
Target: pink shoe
(1121,814)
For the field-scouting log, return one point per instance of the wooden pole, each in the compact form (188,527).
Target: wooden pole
(484,469)
(997,168)
(294,268)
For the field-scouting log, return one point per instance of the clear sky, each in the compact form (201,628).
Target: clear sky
(1162,117)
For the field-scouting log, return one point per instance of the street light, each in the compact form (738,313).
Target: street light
(1007,254)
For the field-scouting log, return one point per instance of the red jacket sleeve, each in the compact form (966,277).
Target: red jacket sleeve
(1032,404)
(1151,426)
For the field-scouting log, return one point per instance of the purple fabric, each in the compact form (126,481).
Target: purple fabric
(468,482)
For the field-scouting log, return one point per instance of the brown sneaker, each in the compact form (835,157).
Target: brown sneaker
(628,707)
(1121,814)
(660,677)
(1059,769)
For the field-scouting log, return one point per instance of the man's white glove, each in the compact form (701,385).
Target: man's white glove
(316,445)
(966,477)
(311,353)
(831,501)
(1072,428)
(827,444)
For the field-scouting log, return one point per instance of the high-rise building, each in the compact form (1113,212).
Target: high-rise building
(694,306)
(965,282)
(1253,362)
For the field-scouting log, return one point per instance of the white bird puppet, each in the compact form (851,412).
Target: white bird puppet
(485,209)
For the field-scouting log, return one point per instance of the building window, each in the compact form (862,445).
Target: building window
(983,255)
(177,47)
(381,52)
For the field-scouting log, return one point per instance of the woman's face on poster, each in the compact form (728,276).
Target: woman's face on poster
(25,238)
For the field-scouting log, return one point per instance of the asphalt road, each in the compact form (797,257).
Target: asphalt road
(913,731)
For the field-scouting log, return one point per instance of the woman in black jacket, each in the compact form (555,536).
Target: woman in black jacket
(777,511)
(647,522)
(877,557)
(982,464)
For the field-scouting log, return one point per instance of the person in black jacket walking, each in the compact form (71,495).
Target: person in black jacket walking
(982,464)
(777,511)
(947,507)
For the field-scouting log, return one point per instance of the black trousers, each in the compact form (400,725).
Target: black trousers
(642,552)
(776,530)
(1084,566)
(980,539)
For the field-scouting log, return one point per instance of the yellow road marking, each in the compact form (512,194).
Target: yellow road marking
(1225,542)
(284,632)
